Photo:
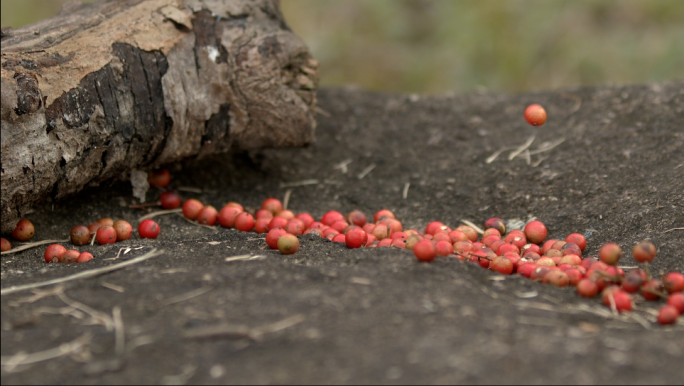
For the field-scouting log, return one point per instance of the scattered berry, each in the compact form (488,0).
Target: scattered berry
(383,213)
(443,248)
(192,208)
(557,278)
(170,199)
(578,239)
(70,256)
(676,300)
(272,237)
(159,178)
(5,245)
(288,244)
(272,205)
(496,223)
(340,238)
(53,253)
(673,282)
(123,229)
(650,289)
(263,214)
(106,235)
(331,216)
(610,253)
(93,227)
(425,251)
(106,221)
(469,232)
(148,229)
(79,235)
(355,237)
(286,214)
(587,288)
(536,232)
(632,283)
(295,227)
(24,230)
(535,115)
(502,265)
(208,215)
(644,252)
(357,218)
(244,222)
(84,257)
(226,217)
(306,218)
(668,315)
(261,225)
(277,222)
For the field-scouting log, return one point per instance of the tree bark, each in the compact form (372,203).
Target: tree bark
(104,89)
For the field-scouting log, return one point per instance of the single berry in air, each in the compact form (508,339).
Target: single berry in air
(159,178)
(668,315)
(610,253)
(535,115)
(644,252)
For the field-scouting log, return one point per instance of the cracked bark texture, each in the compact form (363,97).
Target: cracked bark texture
(106,88)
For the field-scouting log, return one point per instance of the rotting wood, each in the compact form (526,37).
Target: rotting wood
(107,88)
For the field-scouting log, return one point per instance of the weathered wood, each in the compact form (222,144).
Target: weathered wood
(106,88)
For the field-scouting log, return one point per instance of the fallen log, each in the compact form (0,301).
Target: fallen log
(108,88)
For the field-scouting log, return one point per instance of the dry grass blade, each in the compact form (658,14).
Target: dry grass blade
(228,331)
(160,213)
(470,224)
(187,296)
(41,356)
(496,155)
(119,332)
(343,165)
(578,103)
(286,199)
(189,189)
(299,183)
(81,275)
(243,257)
(99,317)
(404,194)
(211,228)
(521,149)
(32,245)
(547,147)
(674,229)
(366,171)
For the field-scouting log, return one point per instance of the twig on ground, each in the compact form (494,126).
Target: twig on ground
(366,171)
(37,295)
(113,287)
(470,224)
(119,332)
(241,331)
(404,194)
(144,205)
(189,189)
(521,149)
(32,245)
(286,199)
(669,230)
(118,254)
(548,147)
(81,275)
(578,103)
(496,155)
(243,257)
(98,316)
(539,161)
(187,296)
(160,213)
(213,229)
(528,158)
(41,356)
(343,165)
(298,183)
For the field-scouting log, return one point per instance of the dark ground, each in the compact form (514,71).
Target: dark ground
(377,315)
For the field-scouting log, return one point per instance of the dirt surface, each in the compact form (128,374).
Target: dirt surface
(329,314)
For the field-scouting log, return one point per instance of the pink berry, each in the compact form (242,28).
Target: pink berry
(148,229)
(288,244)
(5,245)
(535,115)
(79,235)
(383,213)
(261,225)
(425,251)
(244,222)
(610,253)
(668,315)
(587,288)
(53,253)
(331,216)
(192,208)
(277,222)
(263,214)
(578,239)
(444,248)
(357,218)
(469,232)
(208,215)
(355,238)
(106,235)
(24,230)
(226,217)
(502,265)
(339,238)
(306,218)
(286,214)
(84,257)
(70,256)
(272,237)
(536,232)
(170,199)
(272,205)
(673,282)
(295,227)
(676,300)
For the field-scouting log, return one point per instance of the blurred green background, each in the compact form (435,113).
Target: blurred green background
(437,46)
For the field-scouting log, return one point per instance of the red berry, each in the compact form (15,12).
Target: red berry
(208,215)
(53,253)
(469,232)
(668,315)
(441,236)
(319,225)
(339,225)
(574,276)
(148,229)
(288,244)
(399,235)
(395,226)
(79,235)
(425,251)
(536,232)
(286,214)
(314,231)
(305,218)
(649,287)
(530,248)
(410,242)
(261,225)
(226,217)
(526,269)
(277,222)
(578,239)
(357,218)
(546,262)
(93,227)
(383,213)
(355,238)
(622,301)
(123,230)
(387,242)
(463,247)
(170,199)
(488,240)
(106,235)
(381,232)
(553,253)
(263,214)
(295,227)
(644,252)
(192,208)
(159,178)
(587,288)
(444,248)
(272,237)
(339,238)
(557,278)
(400,243)
(24,230)
(632,282)
(539,273)
(489,232)
(535,115)
(502,265)
(272,205)
(673,282)
(235,205)
(329,231)
(676,300)
(331,216)
(84,257)
(558,245)
(610,253)
(432,227)
(106,221)
(5,245)
(573,260)
(70,256)
(496,223)
(371,239)
(244,222)
(547,245)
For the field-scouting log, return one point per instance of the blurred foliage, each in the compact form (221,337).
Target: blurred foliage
(435,46)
